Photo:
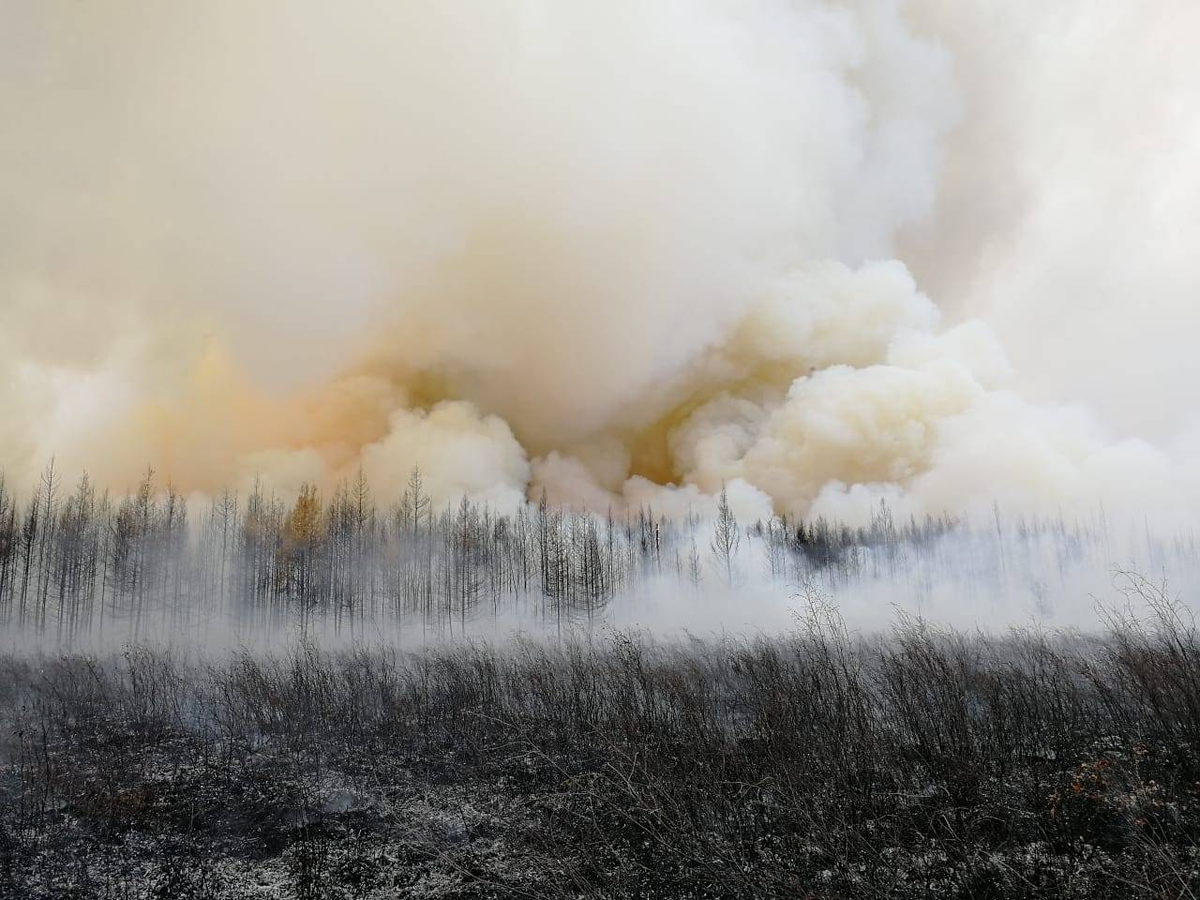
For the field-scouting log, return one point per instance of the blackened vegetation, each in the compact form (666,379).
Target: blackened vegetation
(924,764)
(77,564)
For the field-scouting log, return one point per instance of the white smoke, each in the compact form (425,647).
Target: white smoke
(1067,203)
(622,253)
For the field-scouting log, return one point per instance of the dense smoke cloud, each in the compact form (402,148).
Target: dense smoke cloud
(615,252)
(1067,206)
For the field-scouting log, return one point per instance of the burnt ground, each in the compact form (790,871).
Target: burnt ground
(921,765)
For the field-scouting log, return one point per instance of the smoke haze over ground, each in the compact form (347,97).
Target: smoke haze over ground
(620,253)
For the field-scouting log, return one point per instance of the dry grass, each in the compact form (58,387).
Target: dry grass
(820,764)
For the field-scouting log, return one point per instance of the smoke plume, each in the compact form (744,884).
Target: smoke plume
(620,253)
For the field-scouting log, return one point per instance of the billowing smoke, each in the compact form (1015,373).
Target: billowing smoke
(1066,209)
(620,253)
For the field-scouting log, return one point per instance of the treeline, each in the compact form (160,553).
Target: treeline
(77,561)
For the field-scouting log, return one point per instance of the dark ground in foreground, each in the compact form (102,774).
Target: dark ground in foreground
(818,765)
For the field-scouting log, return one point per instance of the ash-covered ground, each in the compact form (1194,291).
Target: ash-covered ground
(917,764)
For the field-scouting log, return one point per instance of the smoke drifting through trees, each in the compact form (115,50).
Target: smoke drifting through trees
(79,566)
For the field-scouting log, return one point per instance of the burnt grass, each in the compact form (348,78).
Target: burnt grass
(819,764)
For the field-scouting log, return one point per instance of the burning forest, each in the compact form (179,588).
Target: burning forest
(599,449)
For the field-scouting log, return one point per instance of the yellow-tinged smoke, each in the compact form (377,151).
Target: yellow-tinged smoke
(617,252)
